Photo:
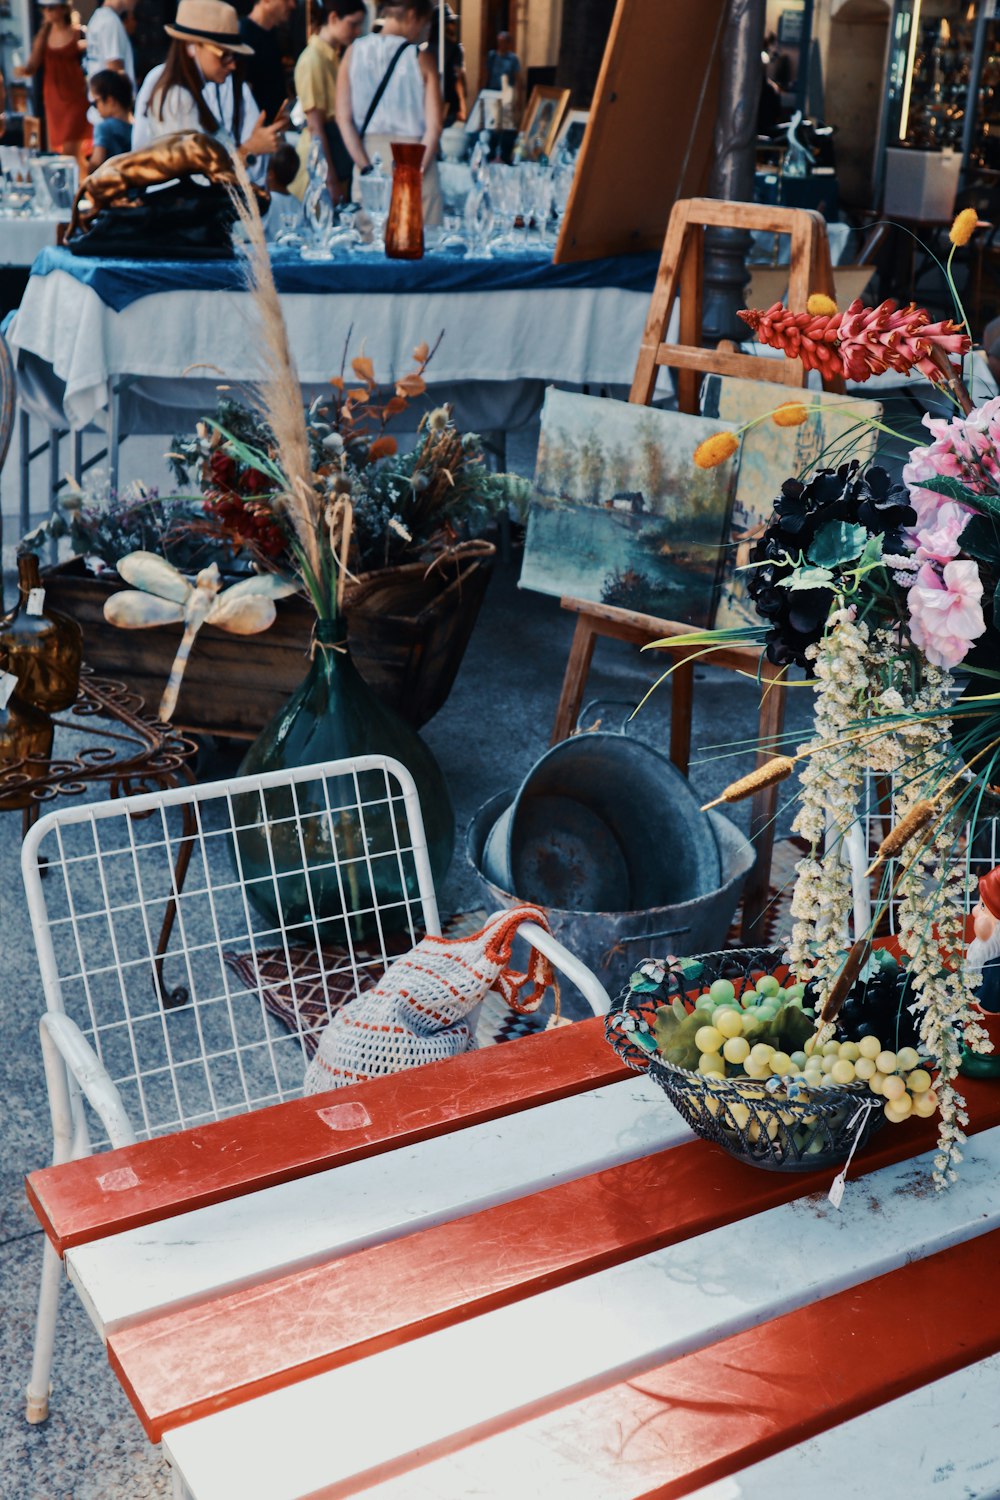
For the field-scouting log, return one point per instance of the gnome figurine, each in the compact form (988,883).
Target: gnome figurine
(982,959)
(982,971)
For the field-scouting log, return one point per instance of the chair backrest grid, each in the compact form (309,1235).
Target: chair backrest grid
(98,917)
(975,848)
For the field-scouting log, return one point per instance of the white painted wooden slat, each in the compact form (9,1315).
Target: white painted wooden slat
(366,1202)
(942,1441)
(531,1355)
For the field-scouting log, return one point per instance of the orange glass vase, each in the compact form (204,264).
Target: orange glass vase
(404,230)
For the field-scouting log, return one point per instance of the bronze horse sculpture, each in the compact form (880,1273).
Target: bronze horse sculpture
(186,153)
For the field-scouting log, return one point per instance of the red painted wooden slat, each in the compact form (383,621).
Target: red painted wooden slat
(185,1364)
(667,1431)
(85,1200)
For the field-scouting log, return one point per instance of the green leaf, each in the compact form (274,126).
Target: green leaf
(981,539)
(953,488)
(835,543)
(675,1036)
(873,551)
(807,578)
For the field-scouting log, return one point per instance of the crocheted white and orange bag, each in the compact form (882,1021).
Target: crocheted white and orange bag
(425,1006)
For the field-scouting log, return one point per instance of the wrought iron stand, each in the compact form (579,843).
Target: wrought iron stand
(136,753)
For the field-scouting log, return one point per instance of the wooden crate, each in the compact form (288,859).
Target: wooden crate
(407,629)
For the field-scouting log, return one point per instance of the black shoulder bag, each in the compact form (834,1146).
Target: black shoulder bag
(343,162)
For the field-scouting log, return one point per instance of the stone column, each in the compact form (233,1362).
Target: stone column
(732,176)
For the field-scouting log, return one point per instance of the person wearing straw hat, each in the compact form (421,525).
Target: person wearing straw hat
(198,87)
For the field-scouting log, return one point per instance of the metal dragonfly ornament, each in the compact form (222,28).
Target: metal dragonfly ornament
(163,596)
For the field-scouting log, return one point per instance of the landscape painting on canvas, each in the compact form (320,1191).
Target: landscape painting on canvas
(621,514)
(770,454)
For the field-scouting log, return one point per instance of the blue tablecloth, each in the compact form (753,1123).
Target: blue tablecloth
(119,283)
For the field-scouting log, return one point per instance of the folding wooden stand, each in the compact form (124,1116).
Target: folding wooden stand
(680,275)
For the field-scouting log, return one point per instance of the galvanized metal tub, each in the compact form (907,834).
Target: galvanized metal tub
(611,942)
(590,823)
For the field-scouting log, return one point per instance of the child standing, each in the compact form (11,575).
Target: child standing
(112,95)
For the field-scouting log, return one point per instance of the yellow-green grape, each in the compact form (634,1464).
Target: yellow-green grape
(740,1114)
(705,1003)
(761,1052)
(711,1062)
(850,1050)
(924,1105)
(907,1058)
(799,1059)
(736,1049)
(842,1071)
(902,1104)
(886,1062)
(708,1039)
(768,985)
(721,990)
(894,1113)
(894,1088)
(753,1071)
(729,1022)
(809,1046)
(919,1081)
(877,1083)
(780,1063)
(831,1049)
(870,1046)
(752,1022)
(829,1063)
(864,1068)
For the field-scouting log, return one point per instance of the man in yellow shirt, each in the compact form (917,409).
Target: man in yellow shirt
(316,86)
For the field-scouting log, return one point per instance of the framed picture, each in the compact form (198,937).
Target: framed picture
(486,111)
(572,129)
(620,514)
(768,455)
(542,119)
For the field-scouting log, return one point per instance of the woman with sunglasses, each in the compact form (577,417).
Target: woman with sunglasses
(199,87)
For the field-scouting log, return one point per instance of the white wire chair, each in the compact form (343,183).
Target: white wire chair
(974,849)
(231,869)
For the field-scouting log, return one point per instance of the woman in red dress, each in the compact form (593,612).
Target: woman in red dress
(58,49)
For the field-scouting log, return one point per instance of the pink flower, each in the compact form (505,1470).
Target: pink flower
(946,613)
(938,533)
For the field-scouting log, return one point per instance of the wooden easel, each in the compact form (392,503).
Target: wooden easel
(680,274)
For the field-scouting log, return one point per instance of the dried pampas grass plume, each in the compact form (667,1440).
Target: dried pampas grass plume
(278,393)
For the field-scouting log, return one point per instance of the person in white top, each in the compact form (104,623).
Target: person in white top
(195,89)
(409,107)
(108,44)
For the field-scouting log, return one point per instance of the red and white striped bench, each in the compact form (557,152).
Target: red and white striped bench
(517,1274)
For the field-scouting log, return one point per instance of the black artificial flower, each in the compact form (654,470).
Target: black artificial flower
(856,497)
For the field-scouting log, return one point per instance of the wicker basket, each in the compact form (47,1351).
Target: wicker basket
(768,1129)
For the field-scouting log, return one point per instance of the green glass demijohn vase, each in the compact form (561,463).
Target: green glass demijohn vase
(335,861)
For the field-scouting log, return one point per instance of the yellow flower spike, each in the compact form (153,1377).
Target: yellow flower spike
(964,227)
(716,449)
(789,414)
(820,305)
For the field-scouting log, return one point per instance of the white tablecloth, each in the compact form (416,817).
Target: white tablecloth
(574,335)
(22,239)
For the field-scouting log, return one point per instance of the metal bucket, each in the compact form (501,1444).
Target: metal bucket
(603,822)
(611,942)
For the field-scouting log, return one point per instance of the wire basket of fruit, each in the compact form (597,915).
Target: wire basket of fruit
(730,1037)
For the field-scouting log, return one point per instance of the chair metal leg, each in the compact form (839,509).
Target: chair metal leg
(40,1384)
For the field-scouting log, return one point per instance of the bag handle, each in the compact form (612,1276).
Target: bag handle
(383,85)
(540,974)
